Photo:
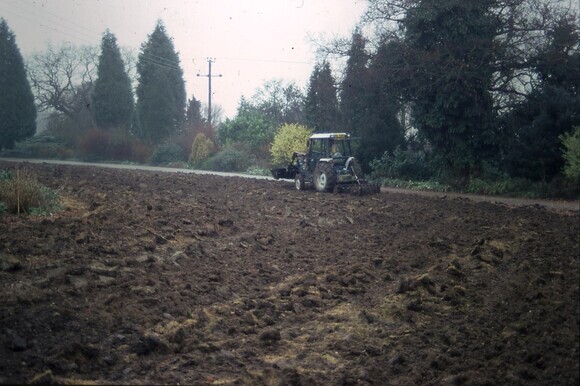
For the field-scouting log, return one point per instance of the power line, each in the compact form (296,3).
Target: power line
(32,11)
(78,34)
(264,60)
(57,23)
(87,35)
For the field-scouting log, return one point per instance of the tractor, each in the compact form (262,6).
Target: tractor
(328,165)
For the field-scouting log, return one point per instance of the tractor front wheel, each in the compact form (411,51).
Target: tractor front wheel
(299,182)
(324,177)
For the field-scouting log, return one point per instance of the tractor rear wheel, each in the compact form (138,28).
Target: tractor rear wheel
(324,177)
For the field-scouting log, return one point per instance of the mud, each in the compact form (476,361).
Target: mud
(149,277)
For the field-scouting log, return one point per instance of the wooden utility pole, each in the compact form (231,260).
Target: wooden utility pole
(209,76)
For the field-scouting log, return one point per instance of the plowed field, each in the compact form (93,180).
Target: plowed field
(149,277)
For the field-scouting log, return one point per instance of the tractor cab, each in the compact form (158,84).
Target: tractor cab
(335,146)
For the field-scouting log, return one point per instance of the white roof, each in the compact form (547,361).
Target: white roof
(329,135)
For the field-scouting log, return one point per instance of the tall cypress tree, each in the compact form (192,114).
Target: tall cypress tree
(354,91)
(193,114)
(321,105)
(17,109)
(112,95)
(369,101)
(161,90)
(380,129)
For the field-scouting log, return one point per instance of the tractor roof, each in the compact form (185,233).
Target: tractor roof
(330,135)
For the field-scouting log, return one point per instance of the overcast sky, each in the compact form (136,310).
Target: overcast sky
(251,40)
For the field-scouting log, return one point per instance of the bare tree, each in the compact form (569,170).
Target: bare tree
(217,113)
(130,56)
(62,79)
(520,35)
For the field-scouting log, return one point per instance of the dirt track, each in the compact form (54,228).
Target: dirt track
(554,205)
(171,278)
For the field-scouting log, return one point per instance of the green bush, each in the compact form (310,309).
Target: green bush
(401,165)
(558,187)
(5,175)
(20,192)
(42,145)
(249,127)
(504,186)
(571,142)
(167,153)
(228,160)
(489,181)
(413,185)
(258,171)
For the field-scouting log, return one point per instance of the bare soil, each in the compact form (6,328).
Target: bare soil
(149,277)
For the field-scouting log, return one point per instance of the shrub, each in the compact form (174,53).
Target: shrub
(126,147)
(561,187)
(402,165)
(250,127)
(5,175)
(257,171)
(228,160)
(504,186)
(201,148)
(121,146)
(112,145)
(571,142)
(64,129)
(140,151)
(288,139)
(166,154)
(94,145)
(20,192)
(41,145)
(414,185)
(183,138)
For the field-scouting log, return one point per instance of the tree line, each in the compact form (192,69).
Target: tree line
(452,90)
(478,87)
(91,94)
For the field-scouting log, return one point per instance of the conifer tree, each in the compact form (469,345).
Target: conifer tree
(369,101)
(112,95)
(161,90)
(354,91)
(321,105)
(17,109)
(193,114)
(450,45)
(379,128)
